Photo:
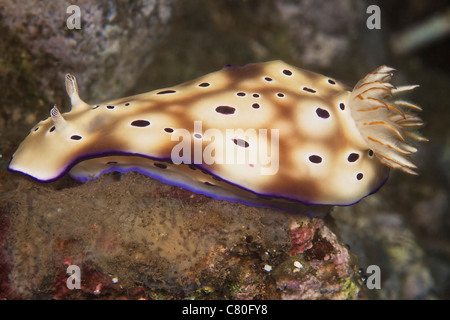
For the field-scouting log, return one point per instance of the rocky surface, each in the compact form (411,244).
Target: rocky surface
(135,237)
(115,41)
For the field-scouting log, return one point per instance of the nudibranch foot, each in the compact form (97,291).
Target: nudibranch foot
(264,134)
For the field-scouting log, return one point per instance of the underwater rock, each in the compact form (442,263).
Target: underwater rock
(323,269)
(106,52)
(135,237)
(326,34)
(5,269)
(385,239)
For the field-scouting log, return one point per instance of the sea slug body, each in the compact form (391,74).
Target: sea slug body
(266,134)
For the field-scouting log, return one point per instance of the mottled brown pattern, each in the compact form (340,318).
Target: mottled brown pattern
(283,105)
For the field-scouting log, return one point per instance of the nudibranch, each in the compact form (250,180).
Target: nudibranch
(265,134)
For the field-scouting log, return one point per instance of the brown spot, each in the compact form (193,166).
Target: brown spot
(160,165)
(140,123)
(75,137)
(241,143)
(225,110)
(320,248)
(353,157)
(322,113)
(166,92)
(315,159)
(309,90)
